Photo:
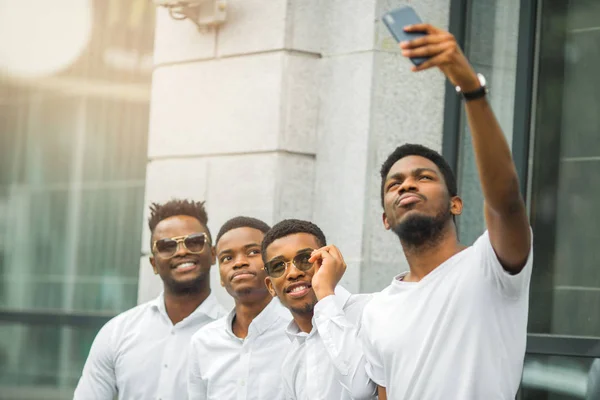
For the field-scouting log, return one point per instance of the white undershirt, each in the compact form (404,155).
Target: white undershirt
(459,333)
(225,367)
(141,355)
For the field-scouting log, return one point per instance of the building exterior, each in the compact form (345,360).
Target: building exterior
(288,110)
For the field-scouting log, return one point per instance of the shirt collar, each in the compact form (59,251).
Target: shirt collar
(267,317)
(210,307)
(341,296)
(293,332)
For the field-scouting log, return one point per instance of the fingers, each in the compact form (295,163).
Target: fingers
(319,254)
(427,28)
(425,40)
(431,50)
(337,254)
(436,61)
(327,252)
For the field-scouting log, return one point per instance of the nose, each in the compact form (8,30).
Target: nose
(293,273)
(408,185)
(240,261)
(181,250)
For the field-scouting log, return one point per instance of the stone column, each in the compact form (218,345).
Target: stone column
(288,110)
(233,117)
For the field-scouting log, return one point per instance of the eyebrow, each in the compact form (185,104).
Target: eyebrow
(416,171)
(247,246)
(280,257)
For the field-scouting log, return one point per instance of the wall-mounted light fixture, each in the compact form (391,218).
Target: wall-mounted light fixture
(205,14)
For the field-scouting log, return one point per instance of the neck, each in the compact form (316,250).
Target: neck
(304,321)
(427,257)
(180,305)
(245,312)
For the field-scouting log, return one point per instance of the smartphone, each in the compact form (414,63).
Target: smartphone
(396,20)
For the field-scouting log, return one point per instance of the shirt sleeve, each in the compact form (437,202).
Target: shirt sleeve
(341,339)
(98,380)
(373,361)
(510,285)
(197,389)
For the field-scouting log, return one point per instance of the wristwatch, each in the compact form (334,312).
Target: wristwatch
(476,94)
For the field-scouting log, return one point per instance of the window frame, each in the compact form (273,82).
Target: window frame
(527,94)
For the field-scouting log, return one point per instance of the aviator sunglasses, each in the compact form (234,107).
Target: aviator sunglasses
(167,247)
(277,267)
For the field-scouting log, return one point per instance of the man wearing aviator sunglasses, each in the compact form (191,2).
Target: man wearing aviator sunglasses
(325,360)
(142,353)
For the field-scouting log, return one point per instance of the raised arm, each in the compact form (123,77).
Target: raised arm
(505,212)
(339,333)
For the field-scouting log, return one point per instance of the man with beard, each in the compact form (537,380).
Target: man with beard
(454,325)
(325,361)
(142,353)
(241,354)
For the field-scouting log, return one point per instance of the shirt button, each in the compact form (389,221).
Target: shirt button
(243,383)
(172,332)
(166,366)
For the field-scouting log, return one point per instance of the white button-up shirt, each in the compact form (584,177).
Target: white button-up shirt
(225,367)
(328,363)
(140,354)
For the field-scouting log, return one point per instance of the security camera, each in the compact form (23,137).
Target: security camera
(204,13)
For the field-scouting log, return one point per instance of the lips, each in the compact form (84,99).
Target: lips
(408,198)
(184,265)
(240,275)
(298,289)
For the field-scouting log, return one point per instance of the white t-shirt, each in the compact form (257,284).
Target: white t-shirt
(224,367)
(141,355)
(459,333)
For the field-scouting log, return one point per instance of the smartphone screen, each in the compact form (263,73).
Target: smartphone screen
(396,20)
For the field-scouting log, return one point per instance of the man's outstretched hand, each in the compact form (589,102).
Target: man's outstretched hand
(444,53)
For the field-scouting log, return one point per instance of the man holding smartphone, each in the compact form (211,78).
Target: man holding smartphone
(454,325)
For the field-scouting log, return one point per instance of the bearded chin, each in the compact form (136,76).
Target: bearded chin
(193,286)
(418,231)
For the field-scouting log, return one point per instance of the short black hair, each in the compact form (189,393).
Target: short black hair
(419,150)
(174,207)
(289,227)
(242,222)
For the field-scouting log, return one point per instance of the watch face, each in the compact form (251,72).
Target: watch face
(482,80)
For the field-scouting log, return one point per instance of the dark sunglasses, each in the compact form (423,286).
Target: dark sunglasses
(276,268)
(194,243)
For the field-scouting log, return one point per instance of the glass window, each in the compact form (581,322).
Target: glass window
(564,164)
(491,46)
(73,154)
(565,171)
(560,378)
